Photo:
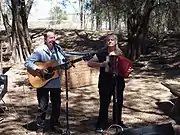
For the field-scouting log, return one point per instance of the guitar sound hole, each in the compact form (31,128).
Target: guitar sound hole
(48,75)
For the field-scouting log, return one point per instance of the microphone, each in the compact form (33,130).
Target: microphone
(54,43)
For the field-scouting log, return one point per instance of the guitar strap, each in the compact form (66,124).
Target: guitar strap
(60,50)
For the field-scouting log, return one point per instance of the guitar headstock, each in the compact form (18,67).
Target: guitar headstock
(88,56)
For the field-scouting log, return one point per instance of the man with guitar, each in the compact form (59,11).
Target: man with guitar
(37,64)
(107,82)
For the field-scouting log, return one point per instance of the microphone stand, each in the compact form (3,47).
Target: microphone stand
(114,70)
(115,75)
(115,102)
(67,131)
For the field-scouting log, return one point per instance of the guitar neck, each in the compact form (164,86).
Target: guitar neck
(62,66)
(77,60)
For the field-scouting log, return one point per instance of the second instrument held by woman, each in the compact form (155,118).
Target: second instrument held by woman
(119,65)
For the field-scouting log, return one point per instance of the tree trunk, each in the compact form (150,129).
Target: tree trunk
(28,7)
(92,22)
(20,34)
(98,22)
(132,27)
(81,3)
(109,20)
(8,30)
(25,27)
(137,30)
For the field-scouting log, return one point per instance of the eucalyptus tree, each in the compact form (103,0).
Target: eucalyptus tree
(174,19)
(84,5)
(165,19)
(18,28)
(136,14)
(141,13)
(81,5)
(99,9)
(57,15)
(137,26)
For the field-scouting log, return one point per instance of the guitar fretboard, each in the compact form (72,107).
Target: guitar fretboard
(62,66)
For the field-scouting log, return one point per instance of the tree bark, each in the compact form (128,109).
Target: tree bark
(20,35)
(8,29)
(28,7)
(81,3)
(137,30)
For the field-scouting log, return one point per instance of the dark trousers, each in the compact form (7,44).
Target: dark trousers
(106,90)
(43,100)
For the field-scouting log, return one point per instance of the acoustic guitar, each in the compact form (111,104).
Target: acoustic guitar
(38,80)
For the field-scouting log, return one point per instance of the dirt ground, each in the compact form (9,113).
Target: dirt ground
(146,102)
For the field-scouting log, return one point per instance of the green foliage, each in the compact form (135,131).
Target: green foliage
(57,15)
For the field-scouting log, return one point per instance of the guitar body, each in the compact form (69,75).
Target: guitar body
(37,80)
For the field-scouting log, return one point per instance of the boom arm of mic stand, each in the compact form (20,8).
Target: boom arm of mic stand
(68,62)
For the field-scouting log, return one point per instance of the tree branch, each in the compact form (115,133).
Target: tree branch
(37,34)
(161,4)
(28,7)
(85,37)
(5,37)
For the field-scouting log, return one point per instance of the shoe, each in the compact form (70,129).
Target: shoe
(40,131)
(52,127)
(99,130)
(40,127)
(55,129)
(58,124)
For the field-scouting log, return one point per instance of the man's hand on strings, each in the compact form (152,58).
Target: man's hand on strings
(41,71)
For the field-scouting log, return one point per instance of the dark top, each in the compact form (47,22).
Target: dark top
(105,77)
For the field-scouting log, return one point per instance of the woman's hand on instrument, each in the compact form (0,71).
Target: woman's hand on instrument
(104,64)
(113,53)
(130,70)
